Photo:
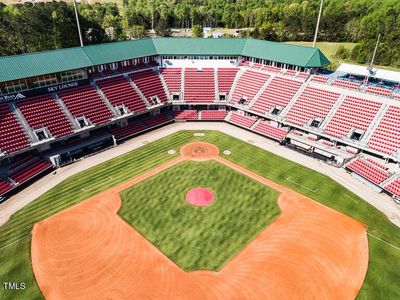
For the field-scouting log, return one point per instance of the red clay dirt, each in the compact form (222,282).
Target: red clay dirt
(199,197)
(309,252)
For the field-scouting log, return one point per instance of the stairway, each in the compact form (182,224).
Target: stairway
(332,112)
(216,89)
(105,100)
(375,123)
(164,84)
(234,84)
(261,91)
(183,84)
(292,101)
(66,112)
(138,91)
(23,123)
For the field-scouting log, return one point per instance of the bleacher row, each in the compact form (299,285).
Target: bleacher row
(210,115)
(355,85)
(266,128)
(376,173)
(22,171)
(141,125)
(138,90)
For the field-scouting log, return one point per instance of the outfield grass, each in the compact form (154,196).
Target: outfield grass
(384,263)
(199,238)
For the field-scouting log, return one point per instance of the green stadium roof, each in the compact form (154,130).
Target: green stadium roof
(40,63)
(188,46)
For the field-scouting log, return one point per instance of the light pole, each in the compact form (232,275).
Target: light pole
(77,23)
(317,27)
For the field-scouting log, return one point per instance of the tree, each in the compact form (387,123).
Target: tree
(162,28)
(342,52)
(137,31)
(197,31)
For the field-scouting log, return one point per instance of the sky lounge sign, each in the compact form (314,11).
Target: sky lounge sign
(64,86)
(44,90)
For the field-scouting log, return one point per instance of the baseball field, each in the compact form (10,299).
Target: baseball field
(206,248)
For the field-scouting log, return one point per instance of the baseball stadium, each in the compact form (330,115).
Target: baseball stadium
(184,168)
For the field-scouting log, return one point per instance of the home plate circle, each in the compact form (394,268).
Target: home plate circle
(199,197)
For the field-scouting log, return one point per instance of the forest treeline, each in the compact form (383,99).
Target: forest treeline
(34,27)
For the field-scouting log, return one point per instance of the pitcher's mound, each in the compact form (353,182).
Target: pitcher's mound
(200,197)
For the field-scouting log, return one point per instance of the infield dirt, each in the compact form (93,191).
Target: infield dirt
(309,252)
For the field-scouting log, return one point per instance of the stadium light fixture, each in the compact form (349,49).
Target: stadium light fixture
(77,23)
(317,27)
(371,65)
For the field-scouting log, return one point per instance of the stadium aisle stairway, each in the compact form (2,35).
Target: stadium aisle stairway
(277,94)
(149,83)
(84,101)
(248,85)
(311,104)
(118,91)
(43,111)
(352,113)
(386,138)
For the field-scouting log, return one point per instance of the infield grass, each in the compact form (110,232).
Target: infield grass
(199,238)
(383,273)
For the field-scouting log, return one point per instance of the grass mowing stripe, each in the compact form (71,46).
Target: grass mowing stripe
(138,161)
(384,265)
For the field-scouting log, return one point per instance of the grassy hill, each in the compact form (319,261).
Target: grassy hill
(330,48)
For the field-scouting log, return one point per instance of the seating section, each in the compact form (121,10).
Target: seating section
(213,114)
(126,69)
(153,121)
(396,96)
(199,85)
(172,77)
(311,104)
(367,170)
(376,163)
(277,94)
(378,91)
(43,111)
(394,187)
(347,84)
(319,78)
(302,75)
(257,66)
(29,170)
(355,113)
(5,186)
(84,101)
(149,83)
(265,128)
(290,72)
(118,91)
(226,76)
(386,138)
(248,85)
(271,69)
(129,130)
(244,121)
(186,115)
(12,136)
